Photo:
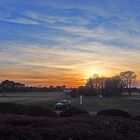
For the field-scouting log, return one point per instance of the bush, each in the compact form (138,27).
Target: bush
(34,110)
(137,118)
(31,110)
(18,127)
(12,108)
(113,112)
(72,112)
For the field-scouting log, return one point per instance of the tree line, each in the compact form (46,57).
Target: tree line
(108,86)
(11,86)
(95,85)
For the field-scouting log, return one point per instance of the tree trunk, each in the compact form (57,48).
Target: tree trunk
(129,91)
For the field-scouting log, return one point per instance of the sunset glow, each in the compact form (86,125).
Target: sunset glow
(63,42)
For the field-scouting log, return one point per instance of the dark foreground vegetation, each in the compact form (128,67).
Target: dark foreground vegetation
(19,122)
(14,127)
(114,112)
(31,110)
(72,112)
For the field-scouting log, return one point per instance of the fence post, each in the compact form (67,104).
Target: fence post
(81,99)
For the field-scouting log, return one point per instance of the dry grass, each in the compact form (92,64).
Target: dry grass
(92,104)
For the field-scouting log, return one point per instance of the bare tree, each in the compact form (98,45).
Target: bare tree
(95,82)
(111,86)
(129,78)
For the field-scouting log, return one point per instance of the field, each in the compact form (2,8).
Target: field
(93,104)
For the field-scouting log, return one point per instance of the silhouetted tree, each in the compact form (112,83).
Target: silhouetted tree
(105,86)
(11,86)
(83,90)
(128,78)
(95,82)
(7,84)
(113,86)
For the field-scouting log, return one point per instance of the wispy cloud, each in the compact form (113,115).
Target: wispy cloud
(68,39)
(20,20)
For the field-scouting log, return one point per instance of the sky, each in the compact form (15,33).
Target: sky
(63,42)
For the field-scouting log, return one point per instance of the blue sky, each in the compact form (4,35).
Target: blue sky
(49,42)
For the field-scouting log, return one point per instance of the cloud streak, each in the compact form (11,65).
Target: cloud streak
(68,41)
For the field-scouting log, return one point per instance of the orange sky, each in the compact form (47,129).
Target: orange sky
(55,77)
(54,66)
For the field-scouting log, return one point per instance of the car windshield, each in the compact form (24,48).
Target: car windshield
(63,102)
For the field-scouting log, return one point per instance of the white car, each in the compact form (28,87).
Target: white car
(64,104)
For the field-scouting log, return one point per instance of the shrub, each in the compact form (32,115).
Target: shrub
(72,112)
(31,110)
(113,112)
(34,110)
(137,118)
(18,127)
(12,108)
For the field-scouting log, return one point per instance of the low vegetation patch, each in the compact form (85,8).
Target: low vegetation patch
(137,118)
(14,127)
(113,112)
(31,110)
(12,108)
(72,112)
(34,110)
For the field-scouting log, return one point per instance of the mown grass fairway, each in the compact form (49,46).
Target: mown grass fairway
(93,104)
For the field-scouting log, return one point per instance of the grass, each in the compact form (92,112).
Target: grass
(92,104)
